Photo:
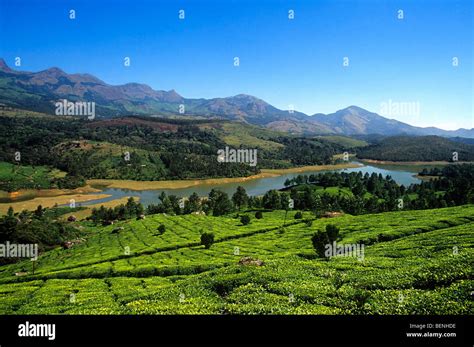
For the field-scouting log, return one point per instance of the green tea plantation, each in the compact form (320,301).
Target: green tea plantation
(414,262)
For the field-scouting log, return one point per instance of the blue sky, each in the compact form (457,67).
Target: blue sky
(297,62)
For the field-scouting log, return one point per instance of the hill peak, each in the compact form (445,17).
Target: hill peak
(4,66)
(52,71)
(354,109)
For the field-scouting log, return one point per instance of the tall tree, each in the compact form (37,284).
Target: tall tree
(240,197)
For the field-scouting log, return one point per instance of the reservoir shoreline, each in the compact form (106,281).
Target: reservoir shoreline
(179,184)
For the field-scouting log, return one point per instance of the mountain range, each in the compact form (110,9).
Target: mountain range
(39,91)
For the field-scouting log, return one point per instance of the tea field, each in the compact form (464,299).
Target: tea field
(414,262)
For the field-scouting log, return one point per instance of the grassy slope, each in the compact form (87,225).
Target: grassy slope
(414,270)
(237,134)
(344,141)
(38,177)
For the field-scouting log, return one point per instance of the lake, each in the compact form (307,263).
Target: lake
(401,174)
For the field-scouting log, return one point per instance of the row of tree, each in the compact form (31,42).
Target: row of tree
(129,210)
(365,193)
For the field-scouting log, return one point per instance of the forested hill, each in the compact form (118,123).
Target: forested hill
(421,148)
(158,148)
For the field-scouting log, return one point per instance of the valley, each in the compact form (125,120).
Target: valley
(143,210)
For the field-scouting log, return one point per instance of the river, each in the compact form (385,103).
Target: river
(401,174)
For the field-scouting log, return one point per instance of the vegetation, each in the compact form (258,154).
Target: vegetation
(140,149)
(162,229)
(332,232)
(319,241)
(322,238)
(207,239)
(41,227)
(356,193)
(422,265)
(14,177)
(346,142)
(245,219)
(240,197)
(298,215)
(418,243)
(121,212)
(417,148)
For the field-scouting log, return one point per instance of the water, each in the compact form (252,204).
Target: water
(402,175)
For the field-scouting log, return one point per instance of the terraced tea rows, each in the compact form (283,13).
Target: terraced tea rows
(414,262)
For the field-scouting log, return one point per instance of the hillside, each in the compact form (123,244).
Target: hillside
(414,262)
(39,91)
(411,148)
(158,148)
(347,142)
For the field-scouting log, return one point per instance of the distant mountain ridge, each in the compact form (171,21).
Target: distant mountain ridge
(38,91)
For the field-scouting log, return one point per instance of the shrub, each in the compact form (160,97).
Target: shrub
(298,215)
(259,215)
(309,223)
(245,219)
(207,239)
(161,228)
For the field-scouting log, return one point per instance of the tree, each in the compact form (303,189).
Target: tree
(167,205)
(284,201)
(245,219)
(207,239)
(139,210)
(193,204)
(39,211)
(174,204)
(240,197)
(259,215)
(332,232)
(320,240)
(220,203)
(309,198)
(271,200)
(8,224)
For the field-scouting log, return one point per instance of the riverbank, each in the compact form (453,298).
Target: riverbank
(180,184)
(280,172)
(411,163)
(49,201)
(27,194)
(87,211)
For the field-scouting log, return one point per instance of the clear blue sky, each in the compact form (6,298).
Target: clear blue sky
(282,61)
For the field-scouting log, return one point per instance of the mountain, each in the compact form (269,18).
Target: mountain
(39,91)
(355,120)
